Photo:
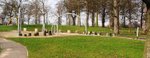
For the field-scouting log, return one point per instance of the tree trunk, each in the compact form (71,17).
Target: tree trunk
(87,19)
(36,19)
(103,17)
(47,21)
(10,21)
(3,21)
(59,20)
(111,21)
(39,21)
(69,20)
(97,19)
(116,16)
(22,18)
(43,28)
(79,20)
(147,22)
(73,19)
(28,20)
(141,21)
(93,19)
(130,16)
(123,18)
(130,25)
(44,18)
(124,21)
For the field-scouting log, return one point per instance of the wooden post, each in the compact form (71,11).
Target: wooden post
(137,32)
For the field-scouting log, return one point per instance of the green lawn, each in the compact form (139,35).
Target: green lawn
(7,28)
(65,28)
(82,47)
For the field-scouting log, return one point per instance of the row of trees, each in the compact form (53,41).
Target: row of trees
(35,8)
(115,10)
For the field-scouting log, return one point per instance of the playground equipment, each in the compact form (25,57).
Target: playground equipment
(54,29)
(20,2)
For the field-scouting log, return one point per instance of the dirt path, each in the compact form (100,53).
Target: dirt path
(12,49)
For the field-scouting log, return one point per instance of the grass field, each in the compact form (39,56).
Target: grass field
(82,47)
(7,28)
(63,28)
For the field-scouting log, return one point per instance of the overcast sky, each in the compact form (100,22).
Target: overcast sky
(52,3)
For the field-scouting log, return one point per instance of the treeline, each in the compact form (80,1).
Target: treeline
(34,8)
(119,12)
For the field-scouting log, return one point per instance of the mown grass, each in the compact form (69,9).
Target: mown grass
(62,28)
(82,47)
(7,28)
(48,27)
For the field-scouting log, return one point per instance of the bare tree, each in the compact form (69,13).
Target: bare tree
(71,7)
(74,6)
(36,10)
(29,12)
(10,9)
(104,6)
(60,11)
